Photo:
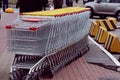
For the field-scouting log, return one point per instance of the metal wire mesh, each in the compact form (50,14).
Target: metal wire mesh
(48,45)
(50,34)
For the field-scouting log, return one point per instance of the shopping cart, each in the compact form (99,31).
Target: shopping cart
(44,44)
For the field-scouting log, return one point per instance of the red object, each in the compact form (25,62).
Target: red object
(33,29)
(32,19)
(8,27)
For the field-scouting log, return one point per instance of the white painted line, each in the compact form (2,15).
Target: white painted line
(118,27)
(106,52)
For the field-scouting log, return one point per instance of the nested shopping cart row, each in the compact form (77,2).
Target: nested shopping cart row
(46,45)
(40,38)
